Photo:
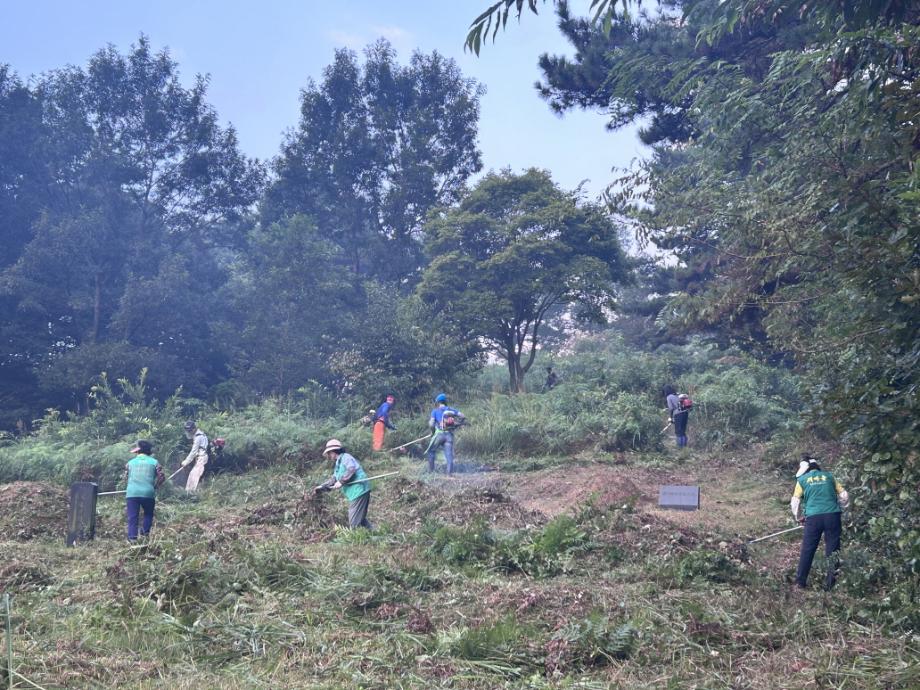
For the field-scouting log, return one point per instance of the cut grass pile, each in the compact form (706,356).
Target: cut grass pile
(459,586)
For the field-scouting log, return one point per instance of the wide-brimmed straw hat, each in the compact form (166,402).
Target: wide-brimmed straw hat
(332,444)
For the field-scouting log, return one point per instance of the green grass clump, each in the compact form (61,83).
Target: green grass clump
(703,565)
(536,552)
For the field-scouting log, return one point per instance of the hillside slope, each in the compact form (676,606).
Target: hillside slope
(566,576)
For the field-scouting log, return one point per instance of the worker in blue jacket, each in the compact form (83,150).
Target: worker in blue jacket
(443,421)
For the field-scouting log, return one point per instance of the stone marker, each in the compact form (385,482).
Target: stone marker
(679,497)
(81,517)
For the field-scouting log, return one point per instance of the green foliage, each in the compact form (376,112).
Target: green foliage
(795,207)
(592,641)
(377,146)
(536,553)
(95,446)
(703,565)
(523,247)
(122,174)
(504,641)
(399,347)
(610,400)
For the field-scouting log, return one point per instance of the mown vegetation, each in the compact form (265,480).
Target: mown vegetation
(464,583)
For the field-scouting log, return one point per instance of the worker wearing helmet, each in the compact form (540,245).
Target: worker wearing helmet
(197,455)
(443,421)
(824,497)
(349,476)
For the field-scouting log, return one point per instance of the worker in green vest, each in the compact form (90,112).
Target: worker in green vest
(144,475)
(350,477)
(823,498)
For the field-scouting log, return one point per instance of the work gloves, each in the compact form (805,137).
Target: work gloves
(186,462)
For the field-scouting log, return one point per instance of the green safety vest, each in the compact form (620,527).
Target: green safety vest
(355,487)
(819,493)
(142,477)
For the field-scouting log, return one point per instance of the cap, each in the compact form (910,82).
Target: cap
(142,446)
(440,397)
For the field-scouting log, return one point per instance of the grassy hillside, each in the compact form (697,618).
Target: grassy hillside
(565,575)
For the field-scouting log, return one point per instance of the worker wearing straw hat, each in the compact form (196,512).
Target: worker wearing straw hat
(350,477)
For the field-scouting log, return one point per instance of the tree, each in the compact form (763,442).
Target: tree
(143,177)
(378,145)
(292,302)
(513,249)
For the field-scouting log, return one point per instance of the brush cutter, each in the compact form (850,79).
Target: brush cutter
(409,443)
(114,493)
(357,481)
(667,426)
(775,534)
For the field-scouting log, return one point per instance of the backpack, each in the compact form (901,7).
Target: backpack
(686,404)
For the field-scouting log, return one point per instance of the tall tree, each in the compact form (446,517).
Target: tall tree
(146,174)
(377,146)
(516,247)
(293,302)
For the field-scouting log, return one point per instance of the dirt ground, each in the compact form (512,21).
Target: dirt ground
(731,499)
(32,509)
(733,504)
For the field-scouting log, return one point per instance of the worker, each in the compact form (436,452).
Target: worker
(197,455)
(678,413)
(443,421)
(349,476)
(824,497)
(552,380)
(382,422)
(144,476)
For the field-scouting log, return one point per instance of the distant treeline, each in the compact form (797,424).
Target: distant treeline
(137,235)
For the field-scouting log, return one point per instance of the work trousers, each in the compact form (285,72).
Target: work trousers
(357,511)
(380,431)
(680,428)
(194,474)
(827,524)
(133,507)
(441,439)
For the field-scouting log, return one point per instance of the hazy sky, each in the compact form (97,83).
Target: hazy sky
(259,55)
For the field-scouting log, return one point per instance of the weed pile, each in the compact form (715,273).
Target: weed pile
(30,510)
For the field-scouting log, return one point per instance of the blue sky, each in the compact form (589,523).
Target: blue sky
(259,55)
